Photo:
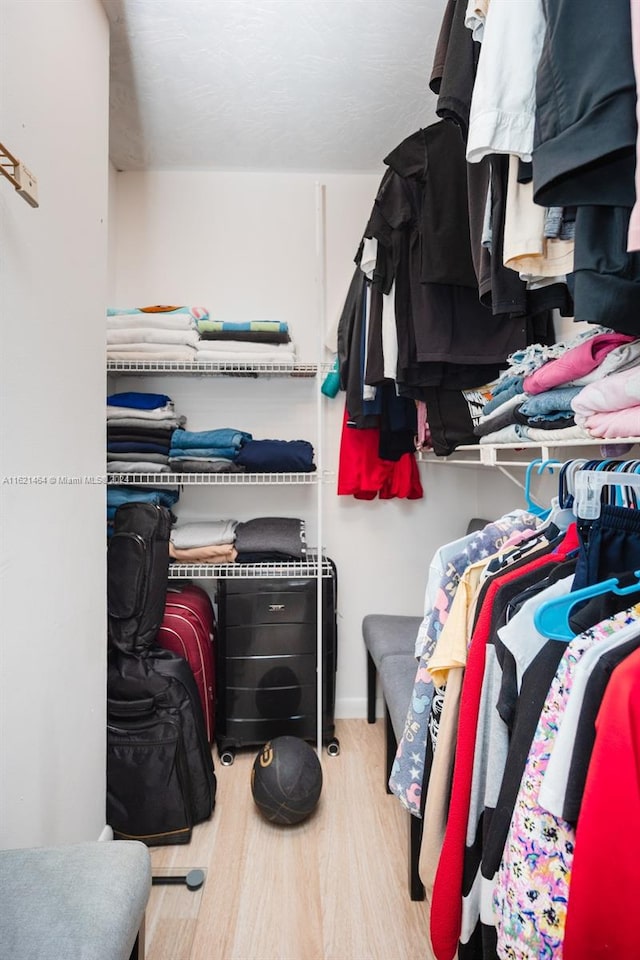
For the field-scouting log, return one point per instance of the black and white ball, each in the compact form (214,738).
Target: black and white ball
(286,780)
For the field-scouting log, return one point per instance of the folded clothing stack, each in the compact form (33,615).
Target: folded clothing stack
(116,496)
(153,333)
(276,456)
(610,408)
(250,342)
(270,539)
(139,431)
(207,451)
(207,541)
(542,401)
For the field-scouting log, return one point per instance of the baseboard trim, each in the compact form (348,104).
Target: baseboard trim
(355,708)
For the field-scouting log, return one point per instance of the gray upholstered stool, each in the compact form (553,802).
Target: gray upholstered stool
(78,900)
(390,641)
(397,679)
(385,635)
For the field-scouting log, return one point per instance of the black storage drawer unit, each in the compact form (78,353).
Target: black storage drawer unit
(266,661)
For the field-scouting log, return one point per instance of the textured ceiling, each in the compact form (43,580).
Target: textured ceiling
(315,85)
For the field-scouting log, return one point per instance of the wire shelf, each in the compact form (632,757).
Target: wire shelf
(215,571)
(212,369)
(212,479)
(496,454)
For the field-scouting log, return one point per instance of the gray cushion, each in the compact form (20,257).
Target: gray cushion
(387,634)
(397,679)
(81,901)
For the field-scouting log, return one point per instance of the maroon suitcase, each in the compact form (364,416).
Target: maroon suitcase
(188,628)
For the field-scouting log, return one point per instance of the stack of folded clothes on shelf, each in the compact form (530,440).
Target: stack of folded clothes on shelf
(584,389)
(207,541)
(276,456)
(207,451)
(153,333)
(116,496)
(270,540)
(250,342)
(610,408)
(139,431)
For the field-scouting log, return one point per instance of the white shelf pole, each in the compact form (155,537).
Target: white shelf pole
(320,272)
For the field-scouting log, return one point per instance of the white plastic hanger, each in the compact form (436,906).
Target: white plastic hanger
(588,490)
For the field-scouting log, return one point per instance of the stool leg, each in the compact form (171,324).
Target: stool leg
(372,677)
(416,887)
(391,745)
(138,948)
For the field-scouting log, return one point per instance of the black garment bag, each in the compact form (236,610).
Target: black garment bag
(160,771)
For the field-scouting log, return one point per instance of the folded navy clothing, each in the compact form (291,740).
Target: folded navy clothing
(156,435)
(277,456)
(270,535)
(137,446)
(246,336)
(142,401)
(552,421)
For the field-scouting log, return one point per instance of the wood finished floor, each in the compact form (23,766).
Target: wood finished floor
(332,888)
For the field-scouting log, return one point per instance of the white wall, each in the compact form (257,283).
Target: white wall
(54,101)
(243,245)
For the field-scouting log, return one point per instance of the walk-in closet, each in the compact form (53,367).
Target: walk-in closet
(319,479)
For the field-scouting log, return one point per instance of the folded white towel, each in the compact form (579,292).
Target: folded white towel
(137,335)
(245,346)
(139,352)
(156,321)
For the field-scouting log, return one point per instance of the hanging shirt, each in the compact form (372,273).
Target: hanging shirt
(602,915)
(532,885)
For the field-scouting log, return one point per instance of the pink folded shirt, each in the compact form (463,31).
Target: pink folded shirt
(614,423)
(576,362)
(615,392)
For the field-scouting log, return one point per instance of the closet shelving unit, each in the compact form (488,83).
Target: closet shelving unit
(316,565)
(503,456)
(312,566)
(307,568)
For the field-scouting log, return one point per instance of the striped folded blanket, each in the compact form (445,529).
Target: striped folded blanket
(245,326)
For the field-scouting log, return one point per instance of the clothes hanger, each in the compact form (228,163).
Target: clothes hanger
(588,490)
(551,619)
(566,489)
(542,465)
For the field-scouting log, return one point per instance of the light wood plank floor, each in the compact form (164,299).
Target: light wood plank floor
(334,887)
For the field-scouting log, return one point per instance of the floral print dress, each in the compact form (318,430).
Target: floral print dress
(532,884)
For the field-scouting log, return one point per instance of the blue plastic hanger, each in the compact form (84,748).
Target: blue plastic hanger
(551,619)
(542,465)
